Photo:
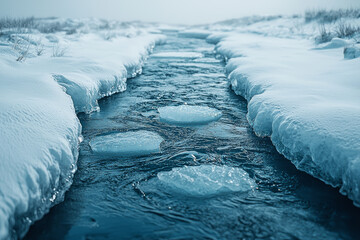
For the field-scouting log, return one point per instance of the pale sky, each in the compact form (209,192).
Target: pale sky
(167,11)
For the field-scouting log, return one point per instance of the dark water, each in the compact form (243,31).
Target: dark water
(118,198)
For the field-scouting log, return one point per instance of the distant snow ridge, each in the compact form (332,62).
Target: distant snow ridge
(188,115)
(137,143)
(307,101)
(206,180)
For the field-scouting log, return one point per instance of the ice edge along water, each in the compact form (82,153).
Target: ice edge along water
(40,131)
(305,99)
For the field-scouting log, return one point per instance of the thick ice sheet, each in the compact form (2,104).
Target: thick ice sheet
(137,143)
(306,100)
(188,115)
(206,180)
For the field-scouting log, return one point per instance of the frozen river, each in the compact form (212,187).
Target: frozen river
(123,197)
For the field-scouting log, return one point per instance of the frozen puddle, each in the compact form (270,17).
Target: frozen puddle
(137,143)
(177,55)
(188,115)
(206,180)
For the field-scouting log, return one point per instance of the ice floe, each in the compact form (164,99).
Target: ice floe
(206,180)
(188,115)
(134,143)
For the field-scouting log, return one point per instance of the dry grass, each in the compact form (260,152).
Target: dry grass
(329,16)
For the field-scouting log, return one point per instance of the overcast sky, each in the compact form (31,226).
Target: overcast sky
(168,11)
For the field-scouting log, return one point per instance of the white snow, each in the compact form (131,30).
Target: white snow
(39,134)
(137,143)
(188,115)
(206,180)
(184,55)
(306,100)
(39,130)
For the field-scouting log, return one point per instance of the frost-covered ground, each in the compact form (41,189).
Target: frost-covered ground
(51,69)
(301,78)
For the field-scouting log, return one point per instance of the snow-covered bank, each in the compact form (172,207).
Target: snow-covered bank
(306,100)
(39,130)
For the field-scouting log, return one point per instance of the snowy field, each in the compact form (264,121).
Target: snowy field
(299,74)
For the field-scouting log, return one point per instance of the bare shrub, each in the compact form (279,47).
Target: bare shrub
(324,35)
(58,51)
(39,48)
(346,30)
(18,23)
(22,47)
(328,16)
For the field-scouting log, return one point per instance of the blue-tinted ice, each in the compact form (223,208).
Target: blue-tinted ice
(137,143)
(206,180)
(188,115)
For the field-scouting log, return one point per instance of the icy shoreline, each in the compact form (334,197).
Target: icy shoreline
(306,100)
(40,131)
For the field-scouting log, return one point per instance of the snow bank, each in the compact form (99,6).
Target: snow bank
(94,68)
(39,130)
(39,134)
(307,101)
(206,180)
(137,143)
(188,115)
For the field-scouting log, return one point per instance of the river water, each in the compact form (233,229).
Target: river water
(119,198)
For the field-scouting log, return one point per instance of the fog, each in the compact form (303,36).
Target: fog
(167,11)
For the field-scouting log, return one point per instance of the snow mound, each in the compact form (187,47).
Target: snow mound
(177,55)
(137,143)
(351,52)
(206,180)
(188,115)
(307,101)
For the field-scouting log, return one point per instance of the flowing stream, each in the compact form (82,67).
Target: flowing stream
(120,197)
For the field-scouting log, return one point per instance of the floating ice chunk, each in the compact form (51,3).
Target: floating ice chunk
(177,55)
(137,143)
(188,115)
(206,180)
